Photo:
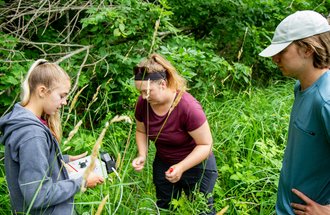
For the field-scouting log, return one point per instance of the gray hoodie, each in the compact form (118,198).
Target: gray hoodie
(36,180)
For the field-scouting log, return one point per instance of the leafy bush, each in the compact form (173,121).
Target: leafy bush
(213,44)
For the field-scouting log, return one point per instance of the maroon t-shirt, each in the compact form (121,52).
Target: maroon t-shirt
(174,142)
(43,121)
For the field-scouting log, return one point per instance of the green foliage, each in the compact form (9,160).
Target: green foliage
(196,204)
(11,70)
(203,68)
(249,139)
(214,44)
(249,132)
(4,199)
(239,26)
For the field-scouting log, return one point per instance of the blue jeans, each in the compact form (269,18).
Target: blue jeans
(196,177)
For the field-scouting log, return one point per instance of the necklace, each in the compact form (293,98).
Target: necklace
(173,105)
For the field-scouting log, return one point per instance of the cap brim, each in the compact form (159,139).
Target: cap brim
(274,49)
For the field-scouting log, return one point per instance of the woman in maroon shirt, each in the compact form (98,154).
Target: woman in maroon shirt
(175,121)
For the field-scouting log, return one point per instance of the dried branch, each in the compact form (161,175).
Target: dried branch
(74,53)
(154,36)
(79,71)
(101,206)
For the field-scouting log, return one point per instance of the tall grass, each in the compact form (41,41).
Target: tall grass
(4,198)
(249,132)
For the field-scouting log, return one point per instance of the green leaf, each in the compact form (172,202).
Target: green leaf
(12,80)
(116,32)
(122,27)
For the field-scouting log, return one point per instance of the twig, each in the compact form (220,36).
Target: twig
(12,104)
(95,152)
(73,102)
(223,211)
(240,52)
(101,206)
(121,191)
(154,36)
(79,71)
(53,10)
(52,44)
(73,132)
(74,53)
(126,147)
(31,20)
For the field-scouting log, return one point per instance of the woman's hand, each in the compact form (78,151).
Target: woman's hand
(311,207)
(174,173)
(138,163)
(93,180)
(76,157)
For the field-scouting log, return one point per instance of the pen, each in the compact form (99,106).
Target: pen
(72,167)
(68,165)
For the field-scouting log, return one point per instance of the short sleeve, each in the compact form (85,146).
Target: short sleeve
(194,115)
(139,109)
(326,119)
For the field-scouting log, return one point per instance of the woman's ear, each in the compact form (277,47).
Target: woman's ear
(41,91)
(163,84)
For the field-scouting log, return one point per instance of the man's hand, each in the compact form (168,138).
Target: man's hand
(310,208)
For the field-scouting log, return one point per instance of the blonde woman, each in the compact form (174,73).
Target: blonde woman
(175,121)
(31,132)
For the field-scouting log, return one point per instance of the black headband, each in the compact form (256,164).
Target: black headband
(141,74)
(152,76)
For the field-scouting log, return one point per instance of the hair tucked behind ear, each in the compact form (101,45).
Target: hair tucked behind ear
(47,74)
(320,44)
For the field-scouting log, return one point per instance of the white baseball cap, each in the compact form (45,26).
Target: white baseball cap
(296,26)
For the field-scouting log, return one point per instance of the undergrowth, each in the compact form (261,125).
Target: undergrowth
(249,134)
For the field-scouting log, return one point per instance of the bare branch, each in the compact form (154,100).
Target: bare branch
(73,53)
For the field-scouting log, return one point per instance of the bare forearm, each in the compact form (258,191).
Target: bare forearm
(199,154)
(141,142)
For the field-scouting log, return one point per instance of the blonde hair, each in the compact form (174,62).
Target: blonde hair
(48,74)
(320,44)
(156,63)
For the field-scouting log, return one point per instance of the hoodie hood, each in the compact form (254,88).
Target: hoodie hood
(18,118)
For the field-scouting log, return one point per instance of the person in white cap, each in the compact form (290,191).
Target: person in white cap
(301,49)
